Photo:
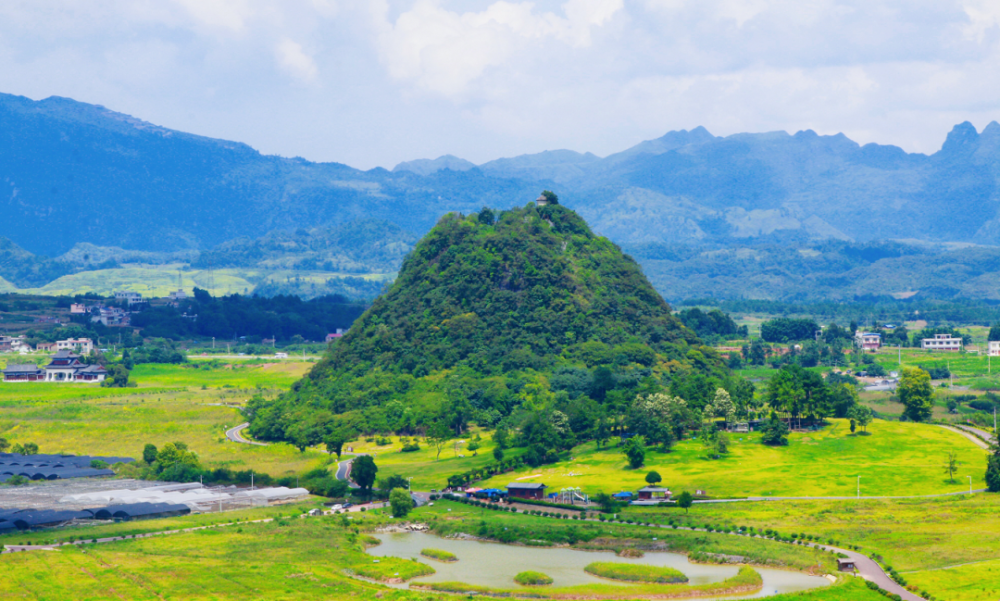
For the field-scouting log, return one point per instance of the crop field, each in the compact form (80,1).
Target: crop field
(893,459)
(193,403)
(944,545)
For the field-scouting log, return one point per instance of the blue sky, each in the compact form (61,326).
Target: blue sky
(372,83)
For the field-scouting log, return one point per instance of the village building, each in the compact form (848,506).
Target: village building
(868,341)
(77,309)
(45,346)
(132,298)
(23,373)
(84,346)
(67,367)
(178,295)
(110,316)
(526,490)
(654,493)
(941,342)
(993,348)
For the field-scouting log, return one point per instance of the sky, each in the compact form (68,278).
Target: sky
(375,82)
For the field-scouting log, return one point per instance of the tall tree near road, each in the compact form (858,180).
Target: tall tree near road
(916,394)
(363,471)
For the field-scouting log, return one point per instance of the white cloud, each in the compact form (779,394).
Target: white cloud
(295,61)
(227,14)
(443,51)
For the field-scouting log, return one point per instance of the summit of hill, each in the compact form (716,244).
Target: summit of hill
(501,311)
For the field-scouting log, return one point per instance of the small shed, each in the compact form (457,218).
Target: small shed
(654,492)
(845,564)
(526,490)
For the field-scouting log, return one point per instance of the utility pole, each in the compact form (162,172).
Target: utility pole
(970,484)
(899,353)
(859,487)
(251,480)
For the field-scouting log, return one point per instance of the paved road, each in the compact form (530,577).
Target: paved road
(988,436)
(234,435)
(344,472)
(976,440)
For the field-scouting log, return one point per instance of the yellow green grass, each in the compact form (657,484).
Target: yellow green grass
(439,554)
(532,578)
(172,403)
(918,537)
(428,471)
(978,581)
(895,459)
(391,569)
(635,572)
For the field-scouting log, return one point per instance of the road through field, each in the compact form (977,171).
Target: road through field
(234,435)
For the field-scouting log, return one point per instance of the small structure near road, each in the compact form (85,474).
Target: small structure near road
(526,490)
(845,564)
(654,493)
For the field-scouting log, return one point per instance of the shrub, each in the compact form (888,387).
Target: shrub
(633,572)
(530,578)
(439,555)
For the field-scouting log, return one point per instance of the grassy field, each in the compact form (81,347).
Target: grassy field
(895,459)
(194,403)
(425,467)
(921,538)
(153,281)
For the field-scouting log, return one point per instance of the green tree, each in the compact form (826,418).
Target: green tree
(149,453)
(176,454)
(722,444)
(635,450)
(916,394)
(993,470)
(653,478)
(363,472)
(685,500)
(498,453)
(486,216)
(951,466)
(774,432)
(401,502)
(550,197)
(995,332)
(862,414)
(438,434)
(854,426)
(4,445)
(334,442)
(30,448)
(606,502)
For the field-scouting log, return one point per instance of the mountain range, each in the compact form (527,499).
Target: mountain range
(78,174)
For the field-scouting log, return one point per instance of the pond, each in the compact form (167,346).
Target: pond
(494,564)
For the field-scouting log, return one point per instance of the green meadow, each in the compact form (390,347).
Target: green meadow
(893,459)
(193,403)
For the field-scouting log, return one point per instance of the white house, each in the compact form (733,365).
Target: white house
(84,346)
(941,342)
(994,348)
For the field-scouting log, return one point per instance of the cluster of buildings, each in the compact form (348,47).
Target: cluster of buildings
(872,341)
(647,495)
(65,366)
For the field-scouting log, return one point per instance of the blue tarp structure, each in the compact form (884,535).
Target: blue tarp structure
(54,467)
(622,495)
(132,511)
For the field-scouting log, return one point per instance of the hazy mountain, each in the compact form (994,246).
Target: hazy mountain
(429,166)
(75,174)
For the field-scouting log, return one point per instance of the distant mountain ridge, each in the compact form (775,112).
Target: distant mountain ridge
(78,174)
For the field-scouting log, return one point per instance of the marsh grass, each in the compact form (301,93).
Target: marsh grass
(439,555)
(635,572)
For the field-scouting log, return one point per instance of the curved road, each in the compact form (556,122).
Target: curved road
(234,435)
(344,472)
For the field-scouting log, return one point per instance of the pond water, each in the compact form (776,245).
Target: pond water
(495,564)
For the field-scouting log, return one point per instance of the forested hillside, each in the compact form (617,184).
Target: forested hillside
(499,316)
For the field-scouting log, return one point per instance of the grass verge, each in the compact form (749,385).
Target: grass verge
(439,555)
(530,578)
